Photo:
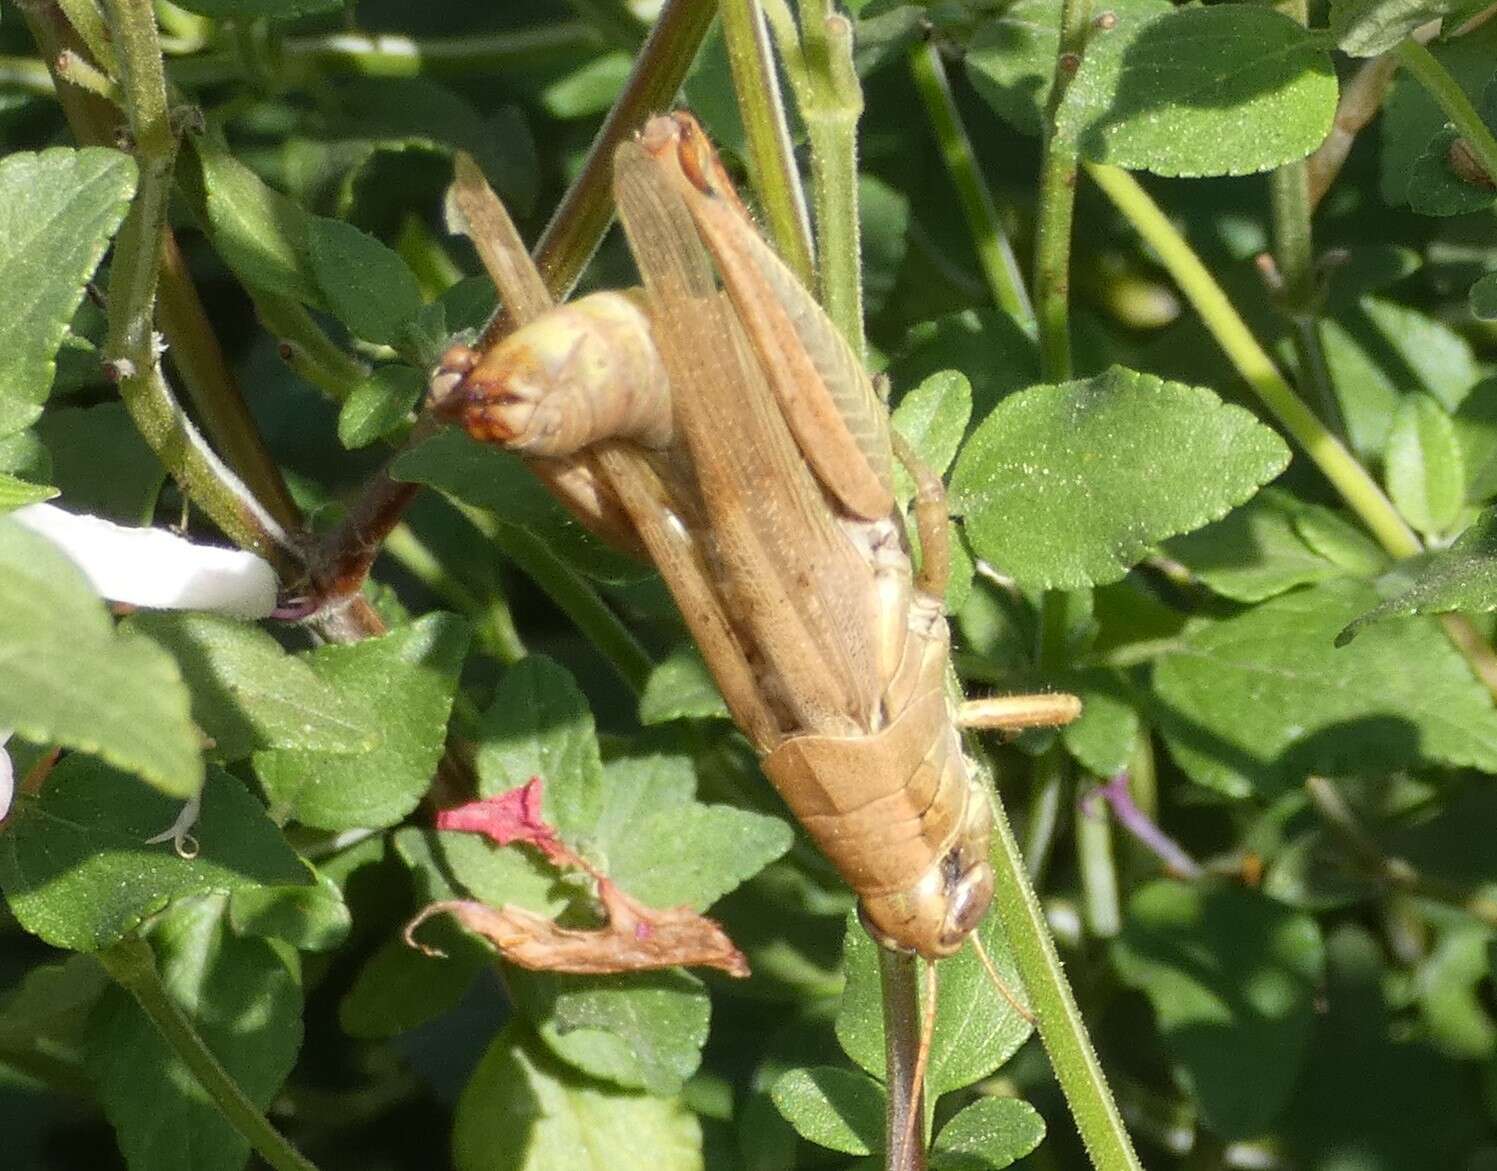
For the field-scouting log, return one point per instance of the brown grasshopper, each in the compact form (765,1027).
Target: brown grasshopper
(719,421)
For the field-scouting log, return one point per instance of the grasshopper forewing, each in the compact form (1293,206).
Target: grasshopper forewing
(724,416)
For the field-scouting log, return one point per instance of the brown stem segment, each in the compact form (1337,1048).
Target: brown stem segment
(904,1136)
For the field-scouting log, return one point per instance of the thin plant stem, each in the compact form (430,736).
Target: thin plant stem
(994,253)
(133,966)
(1046,799)
(131,351)
(1350,479)
(1098,868)
(614,20)
(904,1137)
(1061,1028)
(1057,204)
(87,20)
(1435,78)
(1361,99)
(771,157)
(76,69)
(28,75)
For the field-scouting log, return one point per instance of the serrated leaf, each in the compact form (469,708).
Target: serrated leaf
(61,207)
(1365,28)
(1422,465)
(1067,486)
(1463,577)
(681,688)
(540,725)
(840,1109)
(1227,90)
(260,233)
(1400,695)
(71,680)
(636,1030)
(988,1135)
(1232,977)
(1483,298)
(1011,57)
(523,1111)
(76,869)
(406,679)
(249,694)
(977,1029)
(243,997)
(366,285)
(1434,187)
(1255,551)
(309,918)
(932,418)
(16,493)
(378,405)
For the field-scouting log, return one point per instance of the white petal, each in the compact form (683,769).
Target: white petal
(154,568)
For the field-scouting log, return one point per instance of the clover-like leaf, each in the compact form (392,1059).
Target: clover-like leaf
(1066,486)
(841,1109)
(988,1135)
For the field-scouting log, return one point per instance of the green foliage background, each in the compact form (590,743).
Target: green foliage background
(1306,982)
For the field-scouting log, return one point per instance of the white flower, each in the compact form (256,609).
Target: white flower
(154,568)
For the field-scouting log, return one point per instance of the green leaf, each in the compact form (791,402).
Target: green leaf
(249,694)
(61,207)
(1104,736)
(524,1111)
(884,221)
(1339,541)
(1227,90)
(681,688)
(1233,978)
(933,418)
(49,1007)
(1422,465)
(16,493)
(1451,994)
(988,1135)
(1255,551)
(986,345)
(71,680)
(260,233)
(499,483)
(1011,57)
(588,89)
(76,869)
(406,678)
(379,405)
(1476,432)
(977,1029)
(831,1107)
(309,918)
(1483,298)
(1068,486)
(243,997)
(540,725)
(368,287)
(1434,187)
(1400,695)
(1365,28)
(100,461)
(636,1030)
(1463,577)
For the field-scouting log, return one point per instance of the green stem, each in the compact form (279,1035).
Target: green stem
(1047,796)
(1060,1024)
(133,965)
(493,623)
(762,109)
(1098,867)
(904,1131)
(1057,204)
(614,20)
(26,74)
(77,70)
(994,252)
(130,345)
(573,595)
(307,349)
(1426,68)
(583,216)
(1350,478)
(87,20)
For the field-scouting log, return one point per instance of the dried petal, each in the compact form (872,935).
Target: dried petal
(513,816)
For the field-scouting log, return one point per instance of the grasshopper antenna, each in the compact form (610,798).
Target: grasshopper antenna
(998,981)
(922,1059)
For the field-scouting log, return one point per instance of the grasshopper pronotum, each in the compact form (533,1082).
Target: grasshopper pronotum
(719,421)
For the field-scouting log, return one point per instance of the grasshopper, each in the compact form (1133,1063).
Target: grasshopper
(718,421)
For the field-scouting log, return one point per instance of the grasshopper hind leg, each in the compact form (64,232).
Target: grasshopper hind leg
(930,520)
